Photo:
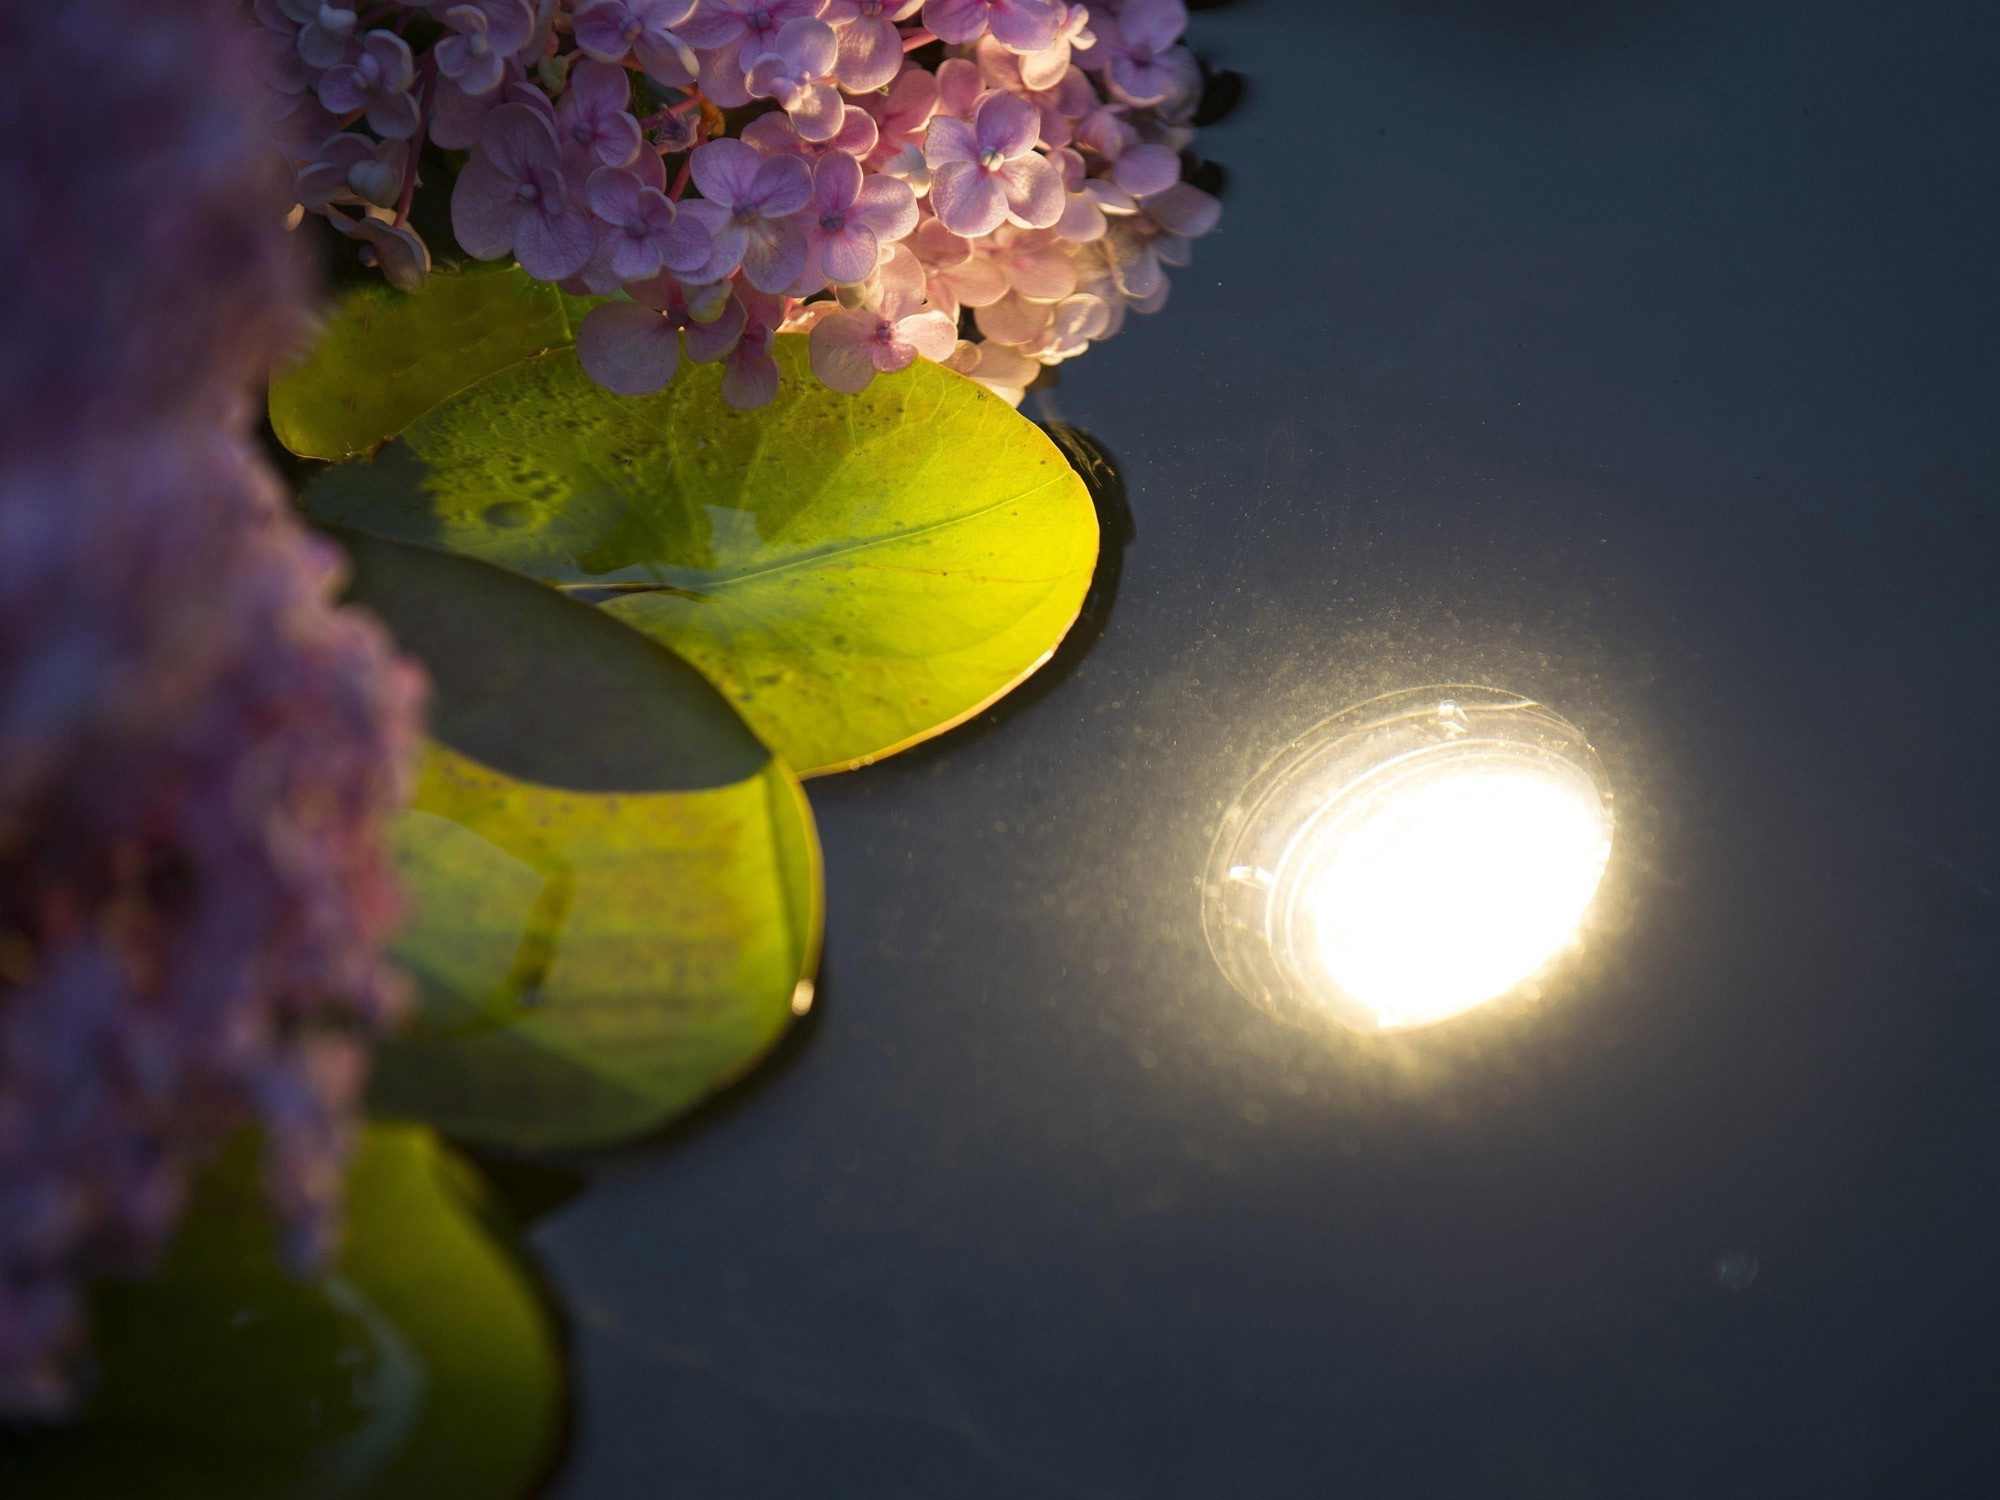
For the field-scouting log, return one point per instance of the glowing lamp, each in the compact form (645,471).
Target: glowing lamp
(1410,858)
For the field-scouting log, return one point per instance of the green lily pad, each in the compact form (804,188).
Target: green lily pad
(424,1363)
(387,357)
(615,887)
(857,573)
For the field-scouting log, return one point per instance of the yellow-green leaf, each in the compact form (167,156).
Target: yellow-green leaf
(857,573)
(387,357)
(423,1364)
(616,888)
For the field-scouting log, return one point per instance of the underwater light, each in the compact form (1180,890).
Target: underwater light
(1410,858)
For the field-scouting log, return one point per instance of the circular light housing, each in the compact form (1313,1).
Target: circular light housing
(1410,858)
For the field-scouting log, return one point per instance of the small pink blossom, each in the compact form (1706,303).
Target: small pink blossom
(510,198)
(732,34)
(592,123)
(634,348)
(987,173)
(901,115)
(1020,25)
(1137,52)
(1139,168)
(871,48)
(848,220)
(640,232)
(775,135)
(849,348)
(1002,370)
(643,30)
(750,373)
(795,72)
(1048,67)
(750,200)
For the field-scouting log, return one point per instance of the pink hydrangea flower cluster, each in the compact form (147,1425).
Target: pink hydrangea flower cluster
(197,748)
(908,171)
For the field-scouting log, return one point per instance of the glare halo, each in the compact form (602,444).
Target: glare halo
(1410,859)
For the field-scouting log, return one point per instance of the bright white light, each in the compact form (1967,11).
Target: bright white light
(1408,859)
(1448,887)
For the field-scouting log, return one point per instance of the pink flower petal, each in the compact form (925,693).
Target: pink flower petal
(484,210)
(1154,25)
(553,247)
(725,171)
(842,348)
(947,140)
(836,183)
(850,255)
(518,140)
(886,206)
(1013,319)
(810,45)
(1026,25)
(727,240)
(818,112)
(871,53)
(932,334)
(1006,123)
(1147,169)
(750,381)
(1034,192)
(612,195)
(782,185)
(774,253)
(628,349)
(722,73)
(685,246)
(969,202)
(1185,209)
(710,341)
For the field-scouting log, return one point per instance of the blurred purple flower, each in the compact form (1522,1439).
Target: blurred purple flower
(1136,49)
(484,34)
(378,82)
(197,749)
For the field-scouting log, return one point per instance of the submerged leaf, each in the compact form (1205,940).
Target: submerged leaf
(423,1364)
(856,572)
(616,887)
(387,357)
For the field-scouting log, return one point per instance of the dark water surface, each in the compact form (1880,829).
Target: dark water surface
(1638,356)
